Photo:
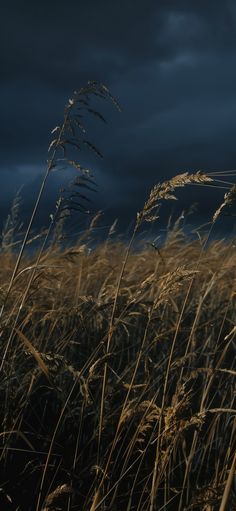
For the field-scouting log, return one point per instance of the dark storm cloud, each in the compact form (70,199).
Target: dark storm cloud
(172,65)
(52,41)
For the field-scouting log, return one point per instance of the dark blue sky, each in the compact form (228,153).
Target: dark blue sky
(170,63)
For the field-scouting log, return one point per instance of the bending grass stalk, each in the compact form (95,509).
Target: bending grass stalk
(148,214)
(228,486)
(26,237)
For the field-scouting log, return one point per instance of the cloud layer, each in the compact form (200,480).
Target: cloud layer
(172,65)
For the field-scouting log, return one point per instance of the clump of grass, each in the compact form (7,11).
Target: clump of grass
(118,381)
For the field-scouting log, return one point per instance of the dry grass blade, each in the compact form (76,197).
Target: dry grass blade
(228,486)
(231,333)
(33,351)
(95,502)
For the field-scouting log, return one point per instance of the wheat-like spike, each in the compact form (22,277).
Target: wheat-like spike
(11,224)
(229,198)
(128,412)
(112,229)
(172,281)
(95,219)
(51,499)
(163,191)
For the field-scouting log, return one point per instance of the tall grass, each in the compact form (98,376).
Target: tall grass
(118,376)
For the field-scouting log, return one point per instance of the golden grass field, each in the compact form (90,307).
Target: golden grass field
(153,413)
